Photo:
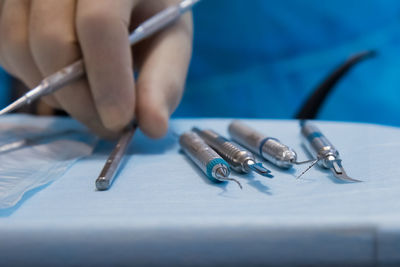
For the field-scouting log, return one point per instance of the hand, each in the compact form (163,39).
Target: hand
(39,37)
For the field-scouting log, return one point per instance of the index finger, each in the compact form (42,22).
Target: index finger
(102,28)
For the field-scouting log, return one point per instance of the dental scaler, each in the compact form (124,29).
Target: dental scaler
(215,167)
(239,159)
(327,156)
(269,148)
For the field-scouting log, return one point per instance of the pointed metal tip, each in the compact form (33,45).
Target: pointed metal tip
(340,173)
(187,4)
(14,105)
(308,168)
(236,181)
(344,177)
(241,187)
(222,175)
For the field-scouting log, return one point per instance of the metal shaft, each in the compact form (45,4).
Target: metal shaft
(107,175)
(238,158)
(269,148)
(215,167)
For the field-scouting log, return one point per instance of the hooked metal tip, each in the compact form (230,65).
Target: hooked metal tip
(340,173)
(260,169)
(234,180)
(314,161)
(222,175)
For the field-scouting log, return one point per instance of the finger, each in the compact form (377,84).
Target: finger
(102,28)
(54,46)
(2,61)
(14,44)
(43,109)
(1,6)
(162,76)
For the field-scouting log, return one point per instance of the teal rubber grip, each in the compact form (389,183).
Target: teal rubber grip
(212,164)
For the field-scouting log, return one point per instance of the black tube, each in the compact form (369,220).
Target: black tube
(311,106)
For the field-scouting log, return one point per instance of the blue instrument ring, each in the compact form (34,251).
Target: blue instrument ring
(313,135)
(260,150)
(212,164)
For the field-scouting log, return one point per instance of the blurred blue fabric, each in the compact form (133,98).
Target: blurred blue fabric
(4,88)
(262,58)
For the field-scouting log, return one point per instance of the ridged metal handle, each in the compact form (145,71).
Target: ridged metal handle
(232,153)
(245,136)
(267,147)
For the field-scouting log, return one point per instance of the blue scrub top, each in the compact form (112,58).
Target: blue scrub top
(262,58)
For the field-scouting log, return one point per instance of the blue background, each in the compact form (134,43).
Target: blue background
(262,58)
(4,85)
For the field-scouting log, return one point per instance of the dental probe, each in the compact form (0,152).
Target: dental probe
(238,158)
(107,175)
(326,154)
(76,70)
(215,167)
(269,148)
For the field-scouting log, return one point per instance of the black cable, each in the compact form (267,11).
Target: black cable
(311,106)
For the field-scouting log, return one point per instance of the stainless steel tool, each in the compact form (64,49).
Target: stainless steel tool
(76,70)
(269,148)
(215,167)
(327,156)
(107,175)
(239,159)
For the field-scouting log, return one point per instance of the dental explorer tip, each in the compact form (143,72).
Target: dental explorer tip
(222,175)
(308,168)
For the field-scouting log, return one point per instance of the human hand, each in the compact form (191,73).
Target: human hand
(39,37)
